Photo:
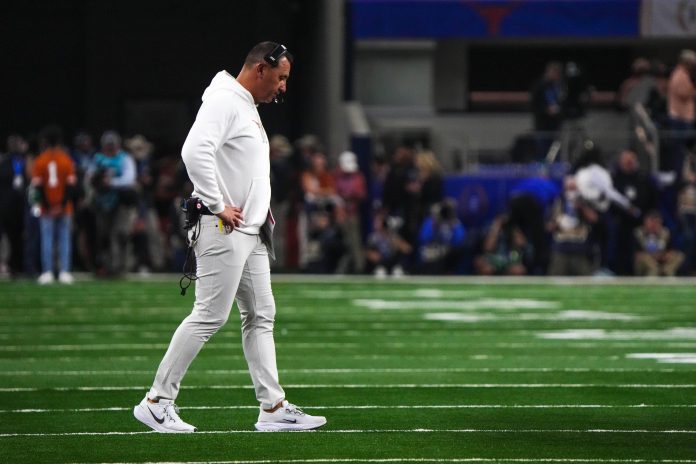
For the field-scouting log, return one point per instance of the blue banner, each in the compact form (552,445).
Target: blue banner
(435,19)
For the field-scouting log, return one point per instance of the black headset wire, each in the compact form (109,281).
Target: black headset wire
(190,274)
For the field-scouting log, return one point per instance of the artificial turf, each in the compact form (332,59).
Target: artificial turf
(411,370)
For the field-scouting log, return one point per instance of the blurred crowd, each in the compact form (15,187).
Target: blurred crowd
(113,208)
(111,205)
(646,223)
(106,207)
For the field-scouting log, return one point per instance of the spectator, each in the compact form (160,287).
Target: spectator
(595,188)
(318,184)
(379,169)
(325,247)
(655,254)
(401,193)
(281,178)
(572,251)
(431,183)
(171,187)
(351,188)
(505,249)
(657,100)
(14,179)
(429,186)
(307,145)
(638,86)
(386,249)
(530,204)
(547,98)
(577,92)
(54,178)
(680,107)
(686,210)
(280,153)
(113,178)
(296,220)
(441,240)
(82,152)
(637,186)
(85,225)
(319,191)
(147,241)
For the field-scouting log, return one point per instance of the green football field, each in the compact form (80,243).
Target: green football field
(411,370)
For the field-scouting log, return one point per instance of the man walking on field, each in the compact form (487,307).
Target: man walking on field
(227,158)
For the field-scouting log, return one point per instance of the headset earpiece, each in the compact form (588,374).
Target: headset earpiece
(274,56)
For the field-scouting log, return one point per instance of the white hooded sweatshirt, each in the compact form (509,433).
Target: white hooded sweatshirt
(226,153)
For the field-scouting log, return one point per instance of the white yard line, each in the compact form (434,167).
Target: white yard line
(471,460)
(376,386)
(422,356)
(390,460)
(352,407)
(357,431)
(434,370)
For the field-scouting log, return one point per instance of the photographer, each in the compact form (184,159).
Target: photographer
(386,250)
(504,249)
(441,240)
(572,250)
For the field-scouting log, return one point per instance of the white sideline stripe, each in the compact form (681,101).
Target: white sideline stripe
(379,460)
(405,370)
(666,358)
(418,406)
(505,304)
(426,293)
(234,432)
(422,356)
(675,333)
(572,315)
(365,385)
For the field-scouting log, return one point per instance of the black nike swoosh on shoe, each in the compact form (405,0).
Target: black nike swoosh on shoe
(292,421)
(159,421)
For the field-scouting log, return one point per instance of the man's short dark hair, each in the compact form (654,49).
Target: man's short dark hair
(260,50)
(653,213)
(51,135)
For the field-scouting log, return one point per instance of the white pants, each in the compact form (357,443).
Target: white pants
(228,266)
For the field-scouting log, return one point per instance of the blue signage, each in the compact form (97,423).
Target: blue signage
(437,19)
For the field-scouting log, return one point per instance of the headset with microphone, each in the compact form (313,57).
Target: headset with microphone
(273,58)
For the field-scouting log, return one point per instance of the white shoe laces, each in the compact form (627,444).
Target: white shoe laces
(292,409)
(172,412)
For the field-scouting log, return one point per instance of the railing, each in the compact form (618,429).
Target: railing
(647,135)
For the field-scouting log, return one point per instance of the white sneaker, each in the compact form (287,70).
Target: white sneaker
(380,272)
(65,278)
(288,417)
(45,278)
(398,271)
(162,416)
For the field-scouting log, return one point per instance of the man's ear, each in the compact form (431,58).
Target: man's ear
(260,69)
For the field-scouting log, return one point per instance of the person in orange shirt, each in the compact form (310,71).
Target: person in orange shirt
(54,180)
